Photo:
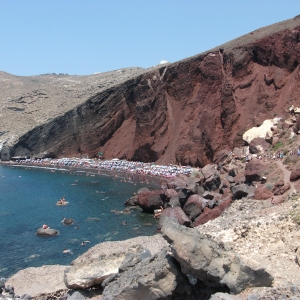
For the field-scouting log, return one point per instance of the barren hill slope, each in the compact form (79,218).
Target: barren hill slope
(29,101)
(183,112)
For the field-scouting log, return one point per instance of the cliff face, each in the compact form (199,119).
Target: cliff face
(183,112)
(30,101)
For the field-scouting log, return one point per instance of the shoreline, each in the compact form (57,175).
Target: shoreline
(128,170)
(150,182)
(141,178)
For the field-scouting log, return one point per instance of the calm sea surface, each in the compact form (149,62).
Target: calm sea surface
(28,198)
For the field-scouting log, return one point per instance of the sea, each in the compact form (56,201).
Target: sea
(28,197)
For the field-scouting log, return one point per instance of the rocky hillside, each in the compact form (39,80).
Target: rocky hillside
(29,101)
(183,112)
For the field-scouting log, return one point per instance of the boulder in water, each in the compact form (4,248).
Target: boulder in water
(46,232)
(67,221)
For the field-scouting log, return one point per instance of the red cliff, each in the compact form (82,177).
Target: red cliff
(183,112)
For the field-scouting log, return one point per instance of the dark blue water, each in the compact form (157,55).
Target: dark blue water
(28,200)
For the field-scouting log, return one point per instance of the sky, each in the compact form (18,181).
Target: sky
(82,37)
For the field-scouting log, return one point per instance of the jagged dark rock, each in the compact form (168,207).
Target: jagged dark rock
(209,261)
(156,281)
(194,206)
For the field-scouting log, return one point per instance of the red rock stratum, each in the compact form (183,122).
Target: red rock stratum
(183,112)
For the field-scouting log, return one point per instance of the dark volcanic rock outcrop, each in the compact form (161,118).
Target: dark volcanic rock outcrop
(154,278)
(183,112)
(209,261)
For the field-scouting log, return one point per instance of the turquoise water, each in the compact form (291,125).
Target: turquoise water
(28,200)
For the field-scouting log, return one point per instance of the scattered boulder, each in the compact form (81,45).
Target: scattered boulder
(238,152)
(194,206)
(149,201)
(225,183)
(243,190)
(254,170)
(207,215)
(183,196)
(213,182)
(209,261)
(191,185)
(212,203)
(221,156)
(240,178)
(262,193)
(174,202)
(200,189)
(230,179)
(295,175)
(263,131)
(280,188)
(258,145)
(208,195)
(176,183)
(209,170)
(177,213)
(211,214)
(170,193)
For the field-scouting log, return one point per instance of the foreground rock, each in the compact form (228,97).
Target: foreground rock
(209,261)
(103,260)
(34,281)
(261,232)
(92,273)
(153,278)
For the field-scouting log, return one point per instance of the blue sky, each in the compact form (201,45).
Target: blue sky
(88,36)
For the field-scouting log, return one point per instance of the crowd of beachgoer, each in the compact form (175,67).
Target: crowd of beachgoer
(267,156)
(113,165)
(275,156)
(142,168)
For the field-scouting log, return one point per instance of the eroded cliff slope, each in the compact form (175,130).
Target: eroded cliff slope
(183,112)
